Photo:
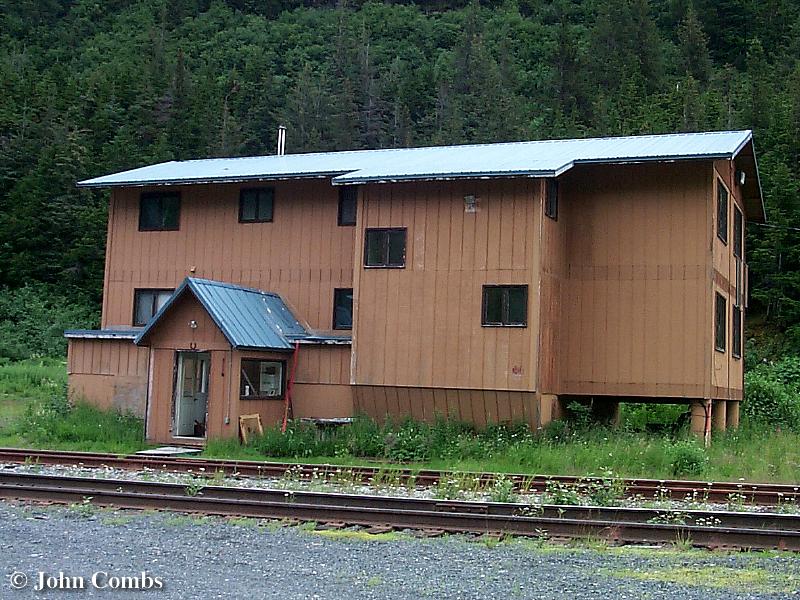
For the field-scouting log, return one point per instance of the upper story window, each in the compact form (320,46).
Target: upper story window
(551,199)
(159,211)
(505,305)
(256,205)
(720,322)
(343,308)
(385,247)
(736,349)
(722,212)
(738,232)
(147,303)
(348,202)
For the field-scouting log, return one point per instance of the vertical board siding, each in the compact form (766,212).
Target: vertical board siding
(481,407)
(633,316)
(421,325)
(119,382)
(303,254)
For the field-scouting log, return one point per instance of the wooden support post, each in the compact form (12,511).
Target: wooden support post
(733,414)
(701,420)
(719,415)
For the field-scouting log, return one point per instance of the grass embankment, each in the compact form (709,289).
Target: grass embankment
(34,413)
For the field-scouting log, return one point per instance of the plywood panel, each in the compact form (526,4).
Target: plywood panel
(303,238)
(421,325)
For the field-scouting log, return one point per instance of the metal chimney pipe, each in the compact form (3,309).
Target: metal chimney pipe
(281,140)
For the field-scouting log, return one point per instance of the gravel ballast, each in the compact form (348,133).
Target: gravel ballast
(215,558)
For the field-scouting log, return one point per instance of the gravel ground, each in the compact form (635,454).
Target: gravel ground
(215,558)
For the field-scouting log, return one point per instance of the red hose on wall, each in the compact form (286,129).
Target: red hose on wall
(287,405)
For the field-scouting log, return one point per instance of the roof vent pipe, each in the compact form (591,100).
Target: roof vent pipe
(281,140)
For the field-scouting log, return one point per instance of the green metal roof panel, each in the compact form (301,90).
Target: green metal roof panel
(248,318)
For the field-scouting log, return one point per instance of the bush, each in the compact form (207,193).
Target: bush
(769,400)
(687,458)
(33,319)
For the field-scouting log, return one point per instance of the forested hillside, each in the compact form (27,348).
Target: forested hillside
(90,87)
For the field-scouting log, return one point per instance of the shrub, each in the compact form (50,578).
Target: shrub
(687,458)
(769,400)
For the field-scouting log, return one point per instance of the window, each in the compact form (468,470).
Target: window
(505,305)
(736,350)
(722,212)
(256,204)
(551,199)
(159,211)
(343,308)
(385,248)
(348,201)
(146,303)
(738,232)
(261,379)
(720,321)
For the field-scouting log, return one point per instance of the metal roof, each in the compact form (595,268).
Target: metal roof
(548,158)
(248,318)
(102,334)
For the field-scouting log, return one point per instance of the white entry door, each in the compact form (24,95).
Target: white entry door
(191,394)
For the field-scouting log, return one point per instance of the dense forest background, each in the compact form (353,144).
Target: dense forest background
(91,87)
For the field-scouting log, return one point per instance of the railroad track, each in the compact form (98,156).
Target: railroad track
(715,492)
(622,525)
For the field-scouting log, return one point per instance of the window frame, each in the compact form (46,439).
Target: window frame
(161,195)
(282,364)
(386,231)
(343,191)
(257,219)
(155,291)
(336,292)
(504,305)
(738,236)
(551,199)
(736,332)
(722,233)
(720,323)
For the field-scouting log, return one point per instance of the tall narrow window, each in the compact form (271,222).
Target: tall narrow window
(385,247)
(256,205)
(551,199)
(505,306)
(348,201)
(343,308)
(722,212)
(738,232)
(736,348)
(146,303)
(720,323)
(159,211)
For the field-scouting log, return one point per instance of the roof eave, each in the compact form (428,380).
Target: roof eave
(92,183)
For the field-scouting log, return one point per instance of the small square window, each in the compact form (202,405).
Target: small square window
(720,322)
(385,248)
(256,205)
(261,379)
(348,203)
(551,199)
(722,212)
(159,211)
(505,305)
(343,308)
(146,303)
(736,350)
(738,232)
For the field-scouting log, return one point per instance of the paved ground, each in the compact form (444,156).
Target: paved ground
(212,558)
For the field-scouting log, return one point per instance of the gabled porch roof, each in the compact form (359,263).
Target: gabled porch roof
(248,318)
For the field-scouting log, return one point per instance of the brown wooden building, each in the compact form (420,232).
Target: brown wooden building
(485,283)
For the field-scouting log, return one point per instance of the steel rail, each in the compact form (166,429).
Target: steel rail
(492,518)
(710,491)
